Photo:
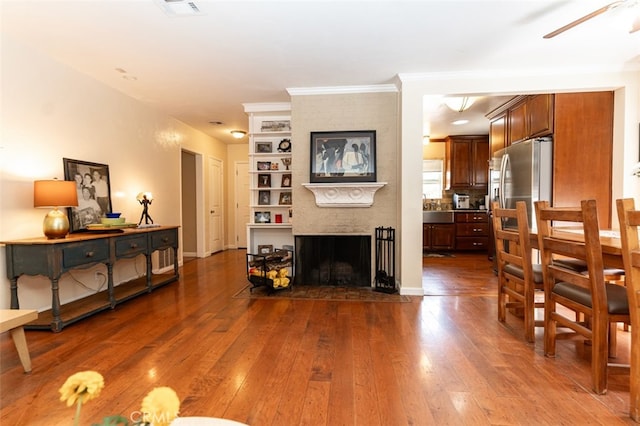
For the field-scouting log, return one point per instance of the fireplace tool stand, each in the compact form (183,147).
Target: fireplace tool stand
(385,260)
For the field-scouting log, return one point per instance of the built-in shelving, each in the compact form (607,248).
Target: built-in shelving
(270,183)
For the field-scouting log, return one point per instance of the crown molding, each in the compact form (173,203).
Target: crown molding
(267,107)
(342,90)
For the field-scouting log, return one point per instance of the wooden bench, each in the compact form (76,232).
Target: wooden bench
(13,320)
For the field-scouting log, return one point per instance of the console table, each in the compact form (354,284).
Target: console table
(52,258)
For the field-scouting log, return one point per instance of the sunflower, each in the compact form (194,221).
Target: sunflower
(83,386)
(160,406)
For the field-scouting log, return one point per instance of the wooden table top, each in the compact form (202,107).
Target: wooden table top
(88,235)
(609,242)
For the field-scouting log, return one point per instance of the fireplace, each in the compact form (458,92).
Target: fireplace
(338,260)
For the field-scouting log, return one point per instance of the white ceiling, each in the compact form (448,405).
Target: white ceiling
(202,68)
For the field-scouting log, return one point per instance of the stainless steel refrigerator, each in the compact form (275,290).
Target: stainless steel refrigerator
(522,172)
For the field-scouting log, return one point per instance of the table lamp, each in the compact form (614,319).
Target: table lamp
(55,193)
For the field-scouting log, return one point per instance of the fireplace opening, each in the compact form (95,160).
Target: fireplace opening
(339,260)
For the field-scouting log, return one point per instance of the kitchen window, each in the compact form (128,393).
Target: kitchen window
(432,178)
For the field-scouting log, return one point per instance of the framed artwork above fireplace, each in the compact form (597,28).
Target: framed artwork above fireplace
(345,156)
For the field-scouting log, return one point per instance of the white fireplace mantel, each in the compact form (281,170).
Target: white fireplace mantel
(356,194)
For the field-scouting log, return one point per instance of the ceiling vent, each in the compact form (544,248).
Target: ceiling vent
(179,7)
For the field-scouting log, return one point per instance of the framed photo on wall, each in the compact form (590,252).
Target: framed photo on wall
(263,147)
(264,180)
(285,199)
(264,198)
(264,165)
(286,180)
(347,156)
(262,217)
(94,192)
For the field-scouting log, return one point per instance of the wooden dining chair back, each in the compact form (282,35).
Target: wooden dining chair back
(518,278)
(629,219)
(584,293)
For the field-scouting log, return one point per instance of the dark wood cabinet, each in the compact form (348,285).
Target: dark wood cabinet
(582,128)
(498,133)
(521,118)
(540,114)
(517,119)
(472,231)
(438,236)
(583,151)
(467,162)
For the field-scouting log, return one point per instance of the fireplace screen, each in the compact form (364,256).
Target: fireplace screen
(343,260)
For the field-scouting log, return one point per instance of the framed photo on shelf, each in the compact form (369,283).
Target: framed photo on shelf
(264,165)
(264,198)
(286,180)
(262,217)
(346,156)
(94,192)
(263,147)
(265,249)
(276,126)
(264,180)
(285,199)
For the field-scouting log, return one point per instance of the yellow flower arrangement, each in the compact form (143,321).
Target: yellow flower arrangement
(159,407)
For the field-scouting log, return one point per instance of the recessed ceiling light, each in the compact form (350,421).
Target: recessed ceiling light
(459,122)
(216,123)
(238,134)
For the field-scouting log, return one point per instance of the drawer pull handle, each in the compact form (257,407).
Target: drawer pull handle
(133,245)
(165,240)
(90,254)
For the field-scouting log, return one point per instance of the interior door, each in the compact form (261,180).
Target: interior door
(216,232)
(242,203)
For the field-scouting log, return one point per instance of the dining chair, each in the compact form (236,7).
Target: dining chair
(629,219)
(601,303)
(518,277)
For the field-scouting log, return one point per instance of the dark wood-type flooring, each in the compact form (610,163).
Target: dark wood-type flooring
(442,359)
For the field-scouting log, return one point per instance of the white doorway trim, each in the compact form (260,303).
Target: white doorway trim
(201,238)
(241,187)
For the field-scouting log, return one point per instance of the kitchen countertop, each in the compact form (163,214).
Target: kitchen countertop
(459,210)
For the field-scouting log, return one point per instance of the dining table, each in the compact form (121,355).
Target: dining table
(610,243)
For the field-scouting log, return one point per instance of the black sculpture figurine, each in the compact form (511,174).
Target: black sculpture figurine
(145,210)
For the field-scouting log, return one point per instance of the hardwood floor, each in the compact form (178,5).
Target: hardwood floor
(437,360)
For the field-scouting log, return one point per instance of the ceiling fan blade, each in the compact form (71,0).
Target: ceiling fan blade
(583,19)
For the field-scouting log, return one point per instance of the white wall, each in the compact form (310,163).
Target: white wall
(414,87)
(50,111)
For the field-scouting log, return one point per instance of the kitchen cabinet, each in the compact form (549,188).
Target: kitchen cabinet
(521,118)
(467,162)
(498,133)
(540,115)
(583,151)
(472,231)
(438,236)
(581,125)
(517,119)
